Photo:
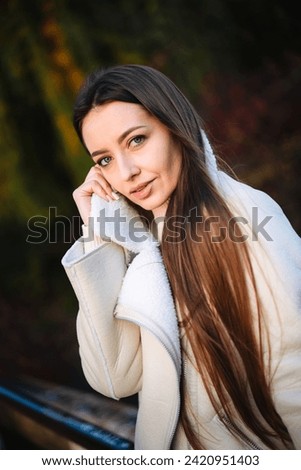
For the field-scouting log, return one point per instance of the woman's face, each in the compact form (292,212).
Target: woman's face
(136,153)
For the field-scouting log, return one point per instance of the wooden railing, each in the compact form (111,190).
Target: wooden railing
(52,416)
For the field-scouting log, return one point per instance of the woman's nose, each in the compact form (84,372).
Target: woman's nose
(128,168)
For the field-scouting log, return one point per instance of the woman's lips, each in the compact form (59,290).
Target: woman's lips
(143,191)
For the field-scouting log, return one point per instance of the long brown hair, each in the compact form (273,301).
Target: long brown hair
(210,281)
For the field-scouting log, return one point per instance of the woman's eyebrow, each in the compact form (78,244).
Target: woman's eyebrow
(120,139)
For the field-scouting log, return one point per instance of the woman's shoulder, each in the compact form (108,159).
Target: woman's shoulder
(264,220)
(242,194)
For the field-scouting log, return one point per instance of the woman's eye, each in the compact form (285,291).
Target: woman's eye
(104,161)
(138,140)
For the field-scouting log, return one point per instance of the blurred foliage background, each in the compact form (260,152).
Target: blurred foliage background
(238,61)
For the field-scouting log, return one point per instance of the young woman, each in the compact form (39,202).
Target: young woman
(188,281)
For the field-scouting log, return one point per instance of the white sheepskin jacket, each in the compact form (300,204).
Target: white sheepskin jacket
(127,323)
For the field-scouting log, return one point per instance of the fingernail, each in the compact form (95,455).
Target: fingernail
(108,198)
(115,196)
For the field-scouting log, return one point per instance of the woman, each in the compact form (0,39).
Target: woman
(188,281)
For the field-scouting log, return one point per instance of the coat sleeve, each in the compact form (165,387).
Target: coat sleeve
(109,348)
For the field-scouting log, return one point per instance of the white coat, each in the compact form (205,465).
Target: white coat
(127,323)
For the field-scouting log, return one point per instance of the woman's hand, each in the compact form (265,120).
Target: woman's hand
(94,183)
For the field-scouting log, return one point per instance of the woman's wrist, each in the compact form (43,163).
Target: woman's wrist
(91,241)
